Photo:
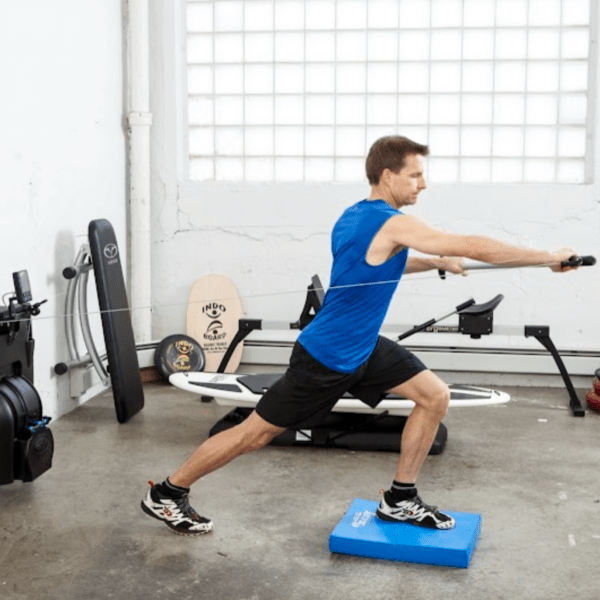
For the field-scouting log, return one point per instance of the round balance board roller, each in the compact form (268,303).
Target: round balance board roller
(178,353)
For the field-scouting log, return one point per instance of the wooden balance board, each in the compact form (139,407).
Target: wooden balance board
(247,390)
(213,313)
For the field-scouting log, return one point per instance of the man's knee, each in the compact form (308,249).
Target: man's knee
(255,433)
(438,400)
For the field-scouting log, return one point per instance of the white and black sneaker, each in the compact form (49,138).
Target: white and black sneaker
(413,510)
(175,511)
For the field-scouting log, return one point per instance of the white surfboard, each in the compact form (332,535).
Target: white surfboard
(247,390)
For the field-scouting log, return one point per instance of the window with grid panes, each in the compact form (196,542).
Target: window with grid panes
(297,90)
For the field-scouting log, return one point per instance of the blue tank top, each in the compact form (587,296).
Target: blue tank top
(344,332)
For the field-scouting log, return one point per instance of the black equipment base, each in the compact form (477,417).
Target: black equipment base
(349,431)
(116,321)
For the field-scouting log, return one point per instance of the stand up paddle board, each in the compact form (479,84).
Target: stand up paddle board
(213,313)
(247,390)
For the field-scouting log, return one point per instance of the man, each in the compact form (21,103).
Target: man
(341,350)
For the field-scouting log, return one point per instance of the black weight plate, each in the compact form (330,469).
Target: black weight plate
(178,353)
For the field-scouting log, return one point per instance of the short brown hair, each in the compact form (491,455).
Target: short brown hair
(389,152)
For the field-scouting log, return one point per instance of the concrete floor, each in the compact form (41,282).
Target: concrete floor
(77,532)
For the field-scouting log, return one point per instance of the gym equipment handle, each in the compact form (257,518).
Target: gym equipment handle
(579,261)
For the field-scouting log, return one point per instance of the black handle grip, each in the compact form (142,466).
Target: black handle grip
(466,304)
(579,261)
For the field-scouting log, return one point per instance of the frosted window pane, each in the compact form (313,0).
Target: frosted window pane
(289,47)
(571,171)
(382,45)
(319,169)
(571,142)
(229,141)
(544,43)
(289,110)
(540,141)
(445,77)
(200,140)
(375,132)
(507,170)
(442,170)
(446,13)
(478,45)
(542,110)
(418,133)
(508,141)
(228,16)
(542,77)
(446,45)
(258,15)
(289,79)
(350,110)
(289,14)
(413,45)
(545,12)
(511,43)
(200,80)
(349,170)
(351,46)
(413,77)
(575,43)
(414,14)
(444,141)
(573,109)
(576,12)
(229,169)
(478,77)
(289,169)
(382,14)
(259,141)
(511,13)
(479,13)
(574,76)
(228,79)
(382,77)
(199,17)
(258,79)
(477,109)
(229,48)
(200,49)
(510,77)
(320,47)
(320,110)
(351,14)
(258,47)
(381,110)
(229,111)
(289,141)
(476,141)
(260,169)
(259,110)
(320,78)
(202,169)
(200,111)
(319,141)
(351,78)
(320,14)
(473,170)
(539,171)
(350,141)
(509,109)
(413,110)
(444,109)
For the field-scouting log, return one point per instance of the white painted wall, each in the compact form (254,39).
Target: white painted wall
(62,155)
(271,238)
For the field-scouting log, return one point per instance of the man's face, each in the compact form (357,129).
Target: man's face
(407,184)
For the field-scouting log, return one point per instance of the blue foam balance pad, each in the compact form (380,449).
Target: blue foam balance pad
(361,533)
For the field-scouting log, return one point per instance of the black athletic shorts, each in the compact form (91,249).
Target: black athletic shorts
(308,390)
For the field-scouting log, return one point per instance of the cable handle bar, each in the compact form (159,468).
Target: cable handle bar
(573,261)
